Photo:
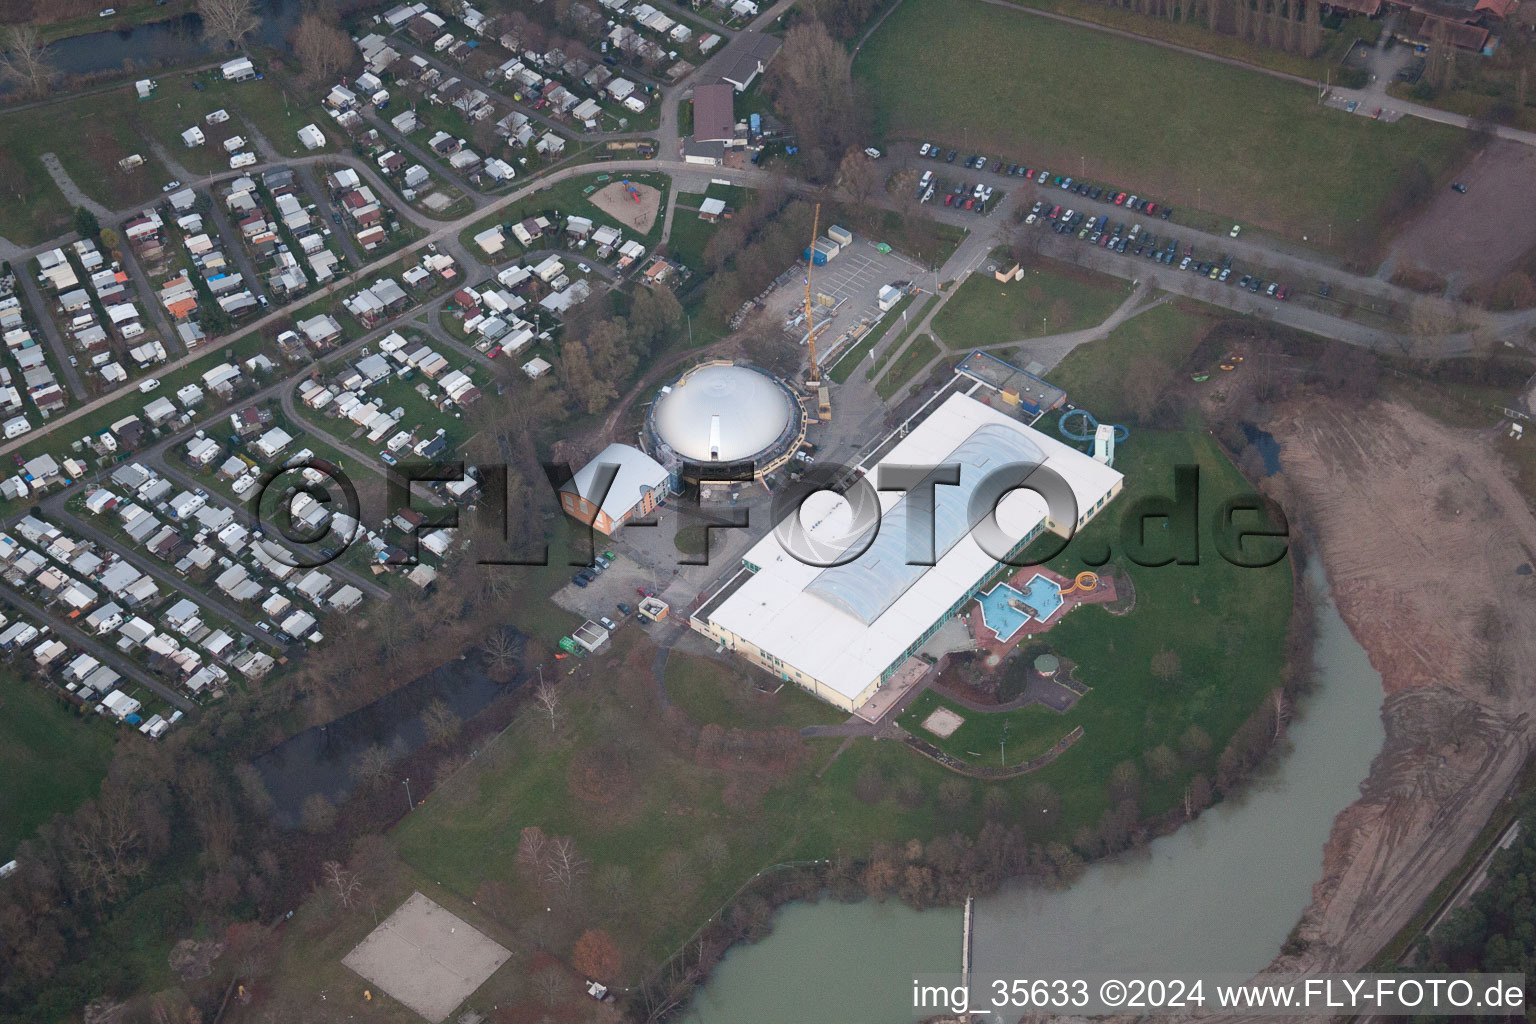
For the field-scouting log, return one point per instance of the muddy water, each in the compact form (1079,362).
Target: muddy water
(320,759)
(1220,894)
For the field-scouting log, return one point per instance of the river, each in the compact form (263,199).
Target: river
(1219,895)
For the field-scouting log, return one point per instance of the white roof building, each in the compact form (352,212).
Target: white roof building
(841,632)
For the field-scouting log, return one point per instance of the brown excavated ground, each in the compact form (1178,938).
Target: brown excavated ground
(1419,528)
(1482,234)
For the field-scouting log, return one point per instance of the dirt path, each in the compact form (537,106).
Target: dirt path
(1420,530)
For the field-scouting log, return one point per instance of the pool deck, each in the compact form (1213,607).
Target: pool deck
(987,640)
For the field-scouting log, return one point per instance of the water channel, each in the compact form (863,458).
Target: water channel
(1219,895)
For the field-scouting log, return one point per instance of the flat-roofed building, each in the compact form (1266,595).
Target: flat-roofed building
(843,631)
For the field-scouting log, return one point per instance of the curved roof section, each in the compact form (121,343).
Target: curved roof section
(722,414)
(871,583)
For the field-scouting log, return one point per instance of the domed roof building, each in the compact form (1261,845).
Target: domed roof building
(726,414)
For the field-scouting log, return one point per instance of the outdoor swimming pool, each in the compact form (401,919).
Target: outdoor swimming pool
(1041,596)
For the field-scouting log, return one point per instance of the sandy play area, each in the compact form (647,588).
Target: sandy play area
(427,957)
(943,723)
(617,202)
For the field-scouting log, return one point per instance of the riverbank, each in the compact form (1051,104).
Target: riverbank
(1149,911)
(1423,533)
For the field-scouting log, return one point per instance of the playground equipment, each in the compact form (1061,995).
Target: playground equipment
(1085,581)
(634,193)
(1090,427)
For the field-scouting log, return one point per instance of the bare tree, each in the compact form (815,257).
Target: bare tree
(24,60)
(550,983)
(547,698)
(565,867)
(441,723)
(371,766)
(500,651)
(228,21)
(345,885)
(322,48)
(532,848)
(1165,665)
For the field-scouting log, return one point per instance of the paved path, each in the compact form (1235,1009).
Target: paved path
(71,191)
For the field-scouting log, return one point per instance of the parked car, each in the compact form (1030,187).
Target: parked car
(624,609)
(1236,230)
(608,623)
(168,186)
(388,459)
(1459,187)
(950,158)
(579,580)
(922,150)
(146,386)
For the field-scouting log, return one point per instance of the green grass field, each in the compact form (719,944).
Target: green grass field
(725,694)
(568,197)
(986,738)
(1051,299)
(1186,130)
(1095,376)
(50,758)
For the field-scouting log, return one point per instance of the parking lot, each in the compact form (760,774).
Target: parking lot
(852,280)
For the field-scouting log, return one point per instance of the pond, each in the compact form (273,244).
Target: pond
(173,41)
(320,759)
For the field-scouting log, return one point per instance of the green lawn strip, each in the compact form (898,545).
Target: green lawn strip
(986,736)
(1335,45)
(1100,376)
(690,233)
(1051,299)
(913,358)
(51,757)
(1184,129)
(850,359)
(724,693)
(1226,624)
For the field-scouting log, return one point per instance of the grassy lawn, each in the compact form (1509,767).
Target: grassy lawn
(1051,299)
(51,758)
(725,694)
(89,135)
(1095,376)
(912,359)
(690,232)
(1187,130)
(985,738)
